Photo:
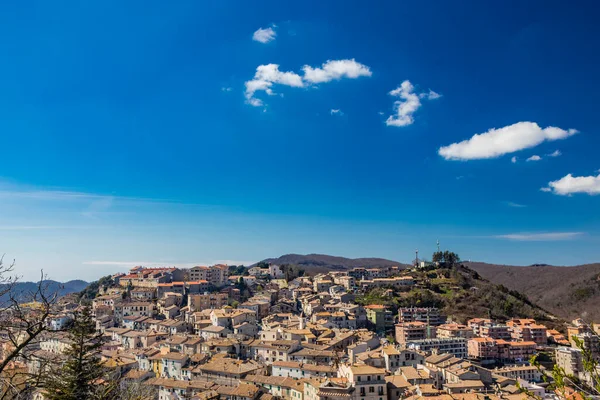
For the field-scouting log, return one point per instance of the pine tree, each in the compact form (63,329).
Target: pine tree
(77,378)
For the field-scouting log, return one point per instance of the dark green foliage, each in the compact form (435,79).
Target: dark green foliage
(93,288)
(446,259)
(78,377)
(582,293)
(291,271)
(238,270)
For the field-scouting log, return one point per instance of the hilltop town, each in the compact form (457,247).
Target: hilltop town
(266,332)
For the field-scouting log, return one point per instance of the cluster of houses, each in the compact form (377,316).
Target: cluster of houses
(191,334)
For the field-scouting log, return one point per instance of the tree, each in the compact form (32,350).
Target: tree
(23,319)
(450,259)
(446,259)
(81,372)
(133,390)
(587,385)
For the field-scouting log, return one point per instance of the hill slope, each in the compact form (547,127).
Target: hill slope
(62,288)
(568,292)
(314,263)
(461,293)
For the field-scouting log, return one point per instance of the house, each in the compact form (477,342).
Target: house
(227,370)
(369,382)
(397,387)
(297,370)
(142,293)
(281,387)
(394,358)
(213,332)
(171,389)
(268,352)
(173,364)
(313,356)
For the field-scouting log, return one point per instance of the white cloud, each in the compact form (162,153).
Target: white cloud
(534,158)
(541,237)
(406,107)
(226,89)
(410,102)
(335,111)
(497,142)
(265,77)
(513,160)
(431,95)
(555,153)
(269,74)
(515,205)
(570,184)
(335,70)
(264,35)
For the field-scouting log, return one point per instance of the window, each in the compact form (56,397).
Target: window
(371,389)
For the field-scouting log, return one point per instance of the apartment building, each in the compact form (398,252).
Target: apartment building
(527,330)
(454,346)
(476,323)
(482,348)
(207,301)
(515,351)
(215,275)
(380,318)
(569,359)
(428,315)
(488,348)
(411,331)
(495,331)
(590,342)
(454,331)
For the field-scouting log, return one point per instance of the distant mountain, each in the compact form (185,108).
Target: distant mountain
(567,292)
(315,263)
(62,288)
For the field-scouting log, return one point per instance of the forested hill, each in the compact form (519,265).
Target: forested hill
(568,292)
(314,263)
(462,293)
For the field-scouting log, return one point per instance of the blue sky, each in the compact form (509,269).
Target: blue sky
(199,132)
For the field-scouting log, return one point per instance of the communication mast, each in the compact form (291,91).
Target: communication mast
(417,258)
